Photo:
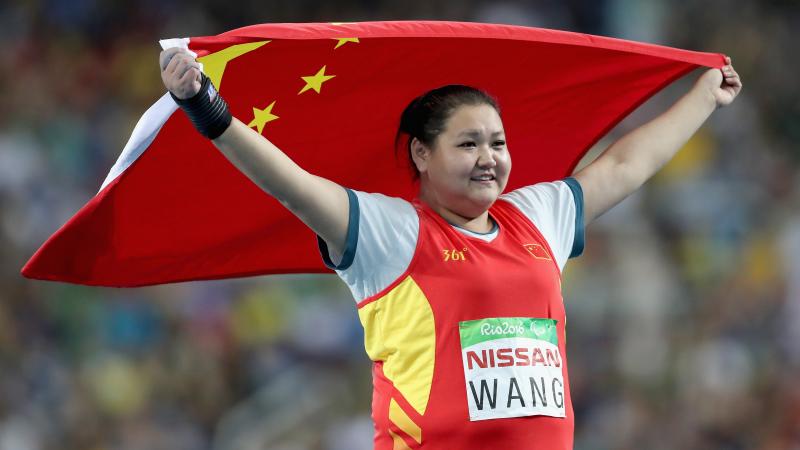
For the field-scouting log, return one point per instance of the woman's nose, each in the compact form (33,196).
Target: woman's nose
(486,158)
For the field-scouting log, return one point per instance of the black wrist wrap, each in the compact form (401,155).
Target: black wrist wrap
(207,110)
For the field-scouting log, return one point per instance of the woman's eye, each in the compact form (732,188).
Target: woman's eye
(467,144)
(499,143)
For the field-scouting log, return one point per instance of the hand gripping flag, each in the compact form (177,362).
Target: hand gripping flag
(330,95)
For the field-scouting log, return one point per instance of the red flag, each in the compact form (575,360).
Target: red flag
(330,96)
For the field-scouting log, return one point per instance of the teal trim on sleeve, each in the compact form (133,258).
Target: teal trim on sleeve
(577,194)
(351,240)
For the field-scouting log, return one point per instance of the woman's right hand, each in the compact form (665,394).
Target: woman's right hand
(180,72)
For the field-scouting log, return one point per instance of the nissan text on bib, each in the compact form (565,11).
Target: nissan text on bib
(512,368)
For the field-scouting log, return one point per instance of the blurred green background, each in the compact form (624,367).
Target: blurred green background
(684,310)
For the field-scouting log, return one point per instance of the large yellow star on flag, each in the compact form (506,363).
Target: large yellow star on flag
(214,63)
(315,81)
(261,117)
(343,41)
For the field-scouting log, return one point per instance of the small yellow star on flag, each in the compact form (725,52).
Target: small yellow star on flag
(315,81)
(261,117)
(343,41)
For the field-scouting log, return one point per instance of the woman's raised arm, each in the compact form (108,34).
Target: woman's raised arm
(320,203)
(630,161)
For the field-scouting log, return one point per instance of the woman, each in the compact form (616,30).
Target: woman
(459,293)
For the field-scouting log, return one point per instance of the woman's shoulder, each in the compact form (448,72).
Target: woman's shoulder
(375,205)
(385,231)
(556,209)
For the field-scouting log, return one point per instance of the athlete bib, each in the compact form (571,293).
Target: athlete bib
(512,368)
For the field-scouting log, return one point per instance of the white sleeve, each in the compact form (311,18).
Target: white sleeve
(556,209)
(381,239)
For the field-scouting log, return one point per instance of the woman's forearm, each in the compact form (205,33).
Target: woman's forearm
(643,151)
(630,161)
(321,204)
(260,160)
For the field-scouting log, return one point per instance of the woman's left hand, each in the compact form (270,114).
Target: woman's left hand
(723,84)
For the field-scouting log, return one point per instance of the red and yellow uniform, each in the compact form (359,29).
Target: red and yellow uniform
(466,330)
(411,328)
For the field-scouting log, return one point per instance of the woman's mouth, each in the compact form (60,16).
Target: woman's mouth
(486,178)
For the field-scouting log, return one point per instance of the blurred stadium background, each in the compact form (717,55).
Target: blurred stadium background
(684,311)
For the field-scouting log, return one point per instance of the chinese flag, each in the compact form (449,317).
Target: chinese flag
(330,96)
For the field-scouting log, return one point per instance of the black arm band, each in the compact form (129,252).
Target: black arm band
(207,110)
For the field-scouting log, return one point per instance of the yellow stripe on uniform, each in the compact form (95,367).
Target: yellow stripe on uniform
(399,330)
(399,417)
(399,443)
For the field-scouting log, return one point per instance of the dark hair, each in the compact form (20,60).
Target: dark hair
(424,118)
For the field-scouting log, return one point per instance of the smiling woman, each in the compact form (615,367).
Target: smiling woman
(466,168)
(456,145)
(430,274)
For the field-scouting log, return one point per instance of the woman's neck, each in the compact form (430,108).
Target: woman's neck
(478,224)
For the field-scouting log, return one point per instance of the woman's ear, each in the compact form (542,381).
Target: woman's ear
(420,154)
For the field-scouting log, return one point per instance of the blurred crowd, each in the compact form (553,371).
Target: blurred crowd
(684,310)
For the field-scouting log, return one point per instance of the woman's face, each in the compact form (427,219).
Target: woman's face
(468,166)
